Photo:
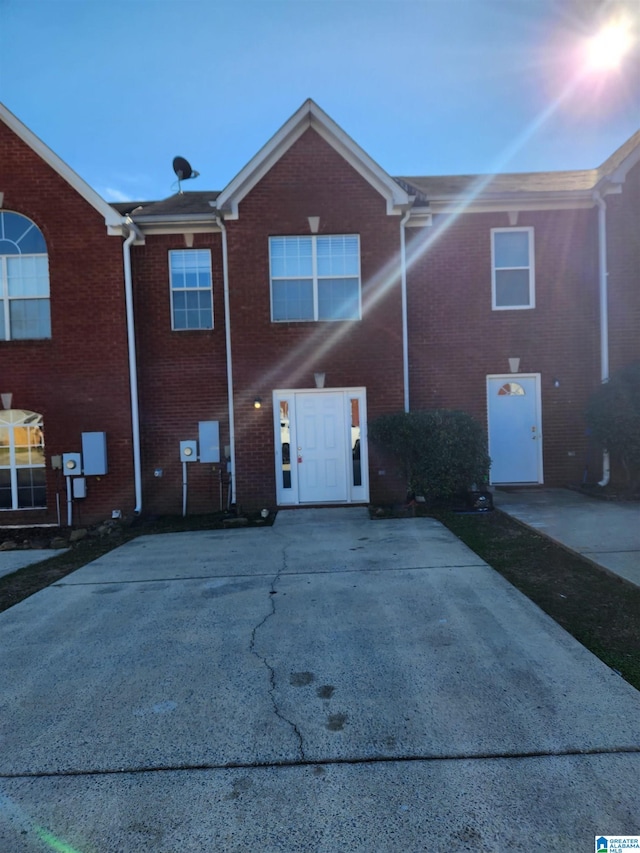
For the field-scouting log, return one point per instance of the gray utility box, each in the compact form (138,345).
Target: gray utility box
(94,453)
(209,441)
(188,451)
(72,464)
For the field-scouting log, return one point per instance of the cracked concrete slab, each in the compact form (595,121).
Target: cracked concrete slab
(431,662)
(427,662)
(472,805)
(387,543)
(128,675)
(391,680)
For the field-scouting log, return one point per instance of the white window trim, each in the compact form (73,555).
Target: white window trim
(531,268)
(13,466)
(5,298)
(190,289)
(315,279)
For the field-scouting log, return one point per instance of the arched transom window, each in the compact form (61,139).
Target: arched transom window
(22,471)
(511,389)
(24,279)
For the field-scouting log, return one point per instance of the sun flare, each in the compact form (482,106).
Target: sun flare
(607,48)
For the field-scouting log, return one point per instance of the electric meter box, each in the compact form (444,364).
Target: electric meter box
(72,464)
(94,453)
(209,441)
(188,451)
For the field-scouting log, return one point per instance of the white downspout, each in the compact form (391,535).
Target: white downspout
(227,329)
(604,314)
(405,327)
(133,366)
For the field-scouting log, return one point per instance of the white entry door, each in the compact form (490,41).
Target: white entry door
(320,446)
(515,437)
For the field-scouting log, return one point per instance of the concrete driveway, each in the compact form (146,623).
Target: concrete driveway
(327,684)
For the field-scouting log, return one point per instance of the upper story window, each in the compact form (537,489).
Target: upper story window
(513,280)
(315,277)
(24,280)
(191,289)
(22,469)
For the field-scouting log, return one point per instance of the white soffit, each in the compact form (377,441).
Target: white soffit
(113,220)
(311,116)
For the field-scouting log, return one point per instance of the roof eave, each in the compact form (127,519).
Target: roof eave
(112,219)
(198,223)
(498,202)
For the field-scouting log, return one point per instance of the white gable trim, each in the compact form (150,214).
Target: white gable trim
(311,116)
(618,176)
(112,219)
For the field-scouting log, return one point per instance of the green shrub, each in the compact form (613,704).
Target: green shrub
(613,415)
(440,452)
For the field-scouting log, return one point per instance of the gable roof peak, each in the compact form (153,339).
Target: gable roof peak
(310,115)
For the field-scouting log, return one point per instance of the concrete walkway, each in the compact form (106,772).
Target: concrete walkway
(607,532)
(328,684)
(11,561)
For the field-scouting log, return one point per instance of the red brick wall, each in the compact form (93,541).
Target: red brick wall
(456,340)
(182,379)
(311,179)
(78,380)
(623,284)
(623,248)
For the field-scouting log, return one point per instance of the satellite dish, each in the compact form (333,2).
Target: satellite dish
(183,170)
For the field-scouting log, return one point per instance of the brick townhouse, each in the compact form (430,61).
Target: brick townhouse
(230,347)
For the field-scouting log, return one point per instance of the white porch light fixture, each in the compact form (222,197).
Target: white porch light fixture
(7,399)
(319,378)
(514,365)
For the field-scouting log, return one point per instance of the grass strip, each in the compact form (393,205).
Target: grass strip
(601,610)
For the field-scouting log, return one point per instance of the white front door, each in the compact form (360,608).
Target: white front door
(320,447)
(515,437)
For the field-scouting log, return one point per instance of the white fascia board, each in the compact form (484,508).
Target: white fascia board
(112,219)
(310,116)
(231,196)
(398,199)
(420,219)
(556,201)
(151,228)
(619,175)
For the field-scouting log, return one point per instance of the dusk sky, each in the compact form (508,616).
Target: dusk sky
(426,87)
